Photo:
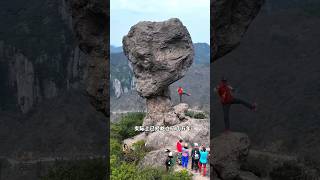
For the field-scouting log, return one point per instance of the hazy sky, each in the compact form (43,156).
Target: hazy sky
(194,14)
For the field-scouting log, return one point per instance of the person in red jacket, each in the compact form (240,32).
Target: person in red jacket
(181,92)
(179,149)
(179,145)
(224,91)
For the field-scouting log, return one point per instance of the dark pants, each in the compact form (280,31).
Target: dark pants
(182,95)
(226,109)
(194,165)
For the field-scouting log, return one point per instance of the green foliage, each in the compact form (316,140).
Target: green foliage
(151,173)
(115,147)
(114,161)
(139,150)
(125,128)
(199,116)
(130,171)
(180,175)
(195,114)
(123,171)
(94,169)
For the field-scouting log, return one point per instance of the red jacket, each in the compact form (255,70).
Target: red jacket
(180,91)
(224,92)
(179,147)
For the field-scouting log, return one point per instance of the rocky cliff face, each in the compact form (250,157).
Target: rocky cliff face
(230,20)
(90,24)
(33,70)
(52,57)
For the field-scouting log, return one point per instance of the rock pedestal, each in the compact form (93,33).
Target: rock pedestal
(160,54)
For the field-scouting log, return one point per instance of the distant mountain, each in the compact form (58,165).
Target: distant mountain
(122,81)
(202,53)
(116,49)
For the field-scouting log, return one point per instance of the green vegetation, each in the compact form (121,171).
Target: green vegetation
(126,165)
(138,152)
(125,128)
(123,165)
(183,174)
(312,8)
(196,114)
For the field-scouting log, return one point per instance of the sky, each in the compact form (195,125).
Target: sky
(194,14)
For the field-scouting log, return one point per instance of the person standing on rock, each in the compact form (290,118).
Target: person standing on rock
(203,160)
(181,93)
(224,91)
(195,155)
(185,156)
(169,161)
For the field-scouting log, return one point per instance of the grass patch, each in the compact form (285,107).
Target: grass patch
(196,114)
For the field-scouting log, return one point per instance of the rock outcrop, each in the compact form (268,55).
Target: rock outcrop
(229,150)
(160,53)
(233,160)
(23,77)
(197,130)
(90,24)
(191,130)
(230,20)
(117,88)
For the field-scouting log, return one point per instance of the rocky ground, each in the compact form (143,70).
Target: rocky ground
(232,158)
(158,142)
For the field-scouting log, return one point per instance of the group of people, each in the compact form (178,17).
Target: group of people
(199,157)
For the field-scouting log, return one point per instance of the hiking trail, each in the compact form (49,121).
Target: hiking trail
(196,176)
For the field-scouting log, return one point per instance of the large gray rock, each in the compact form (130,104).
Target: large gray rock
(229,150)
(230,20)
(277,166)
(155,158)
(265,162)
(131,141)
(180,110)
(160,53)
(198,132)
(245,175)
